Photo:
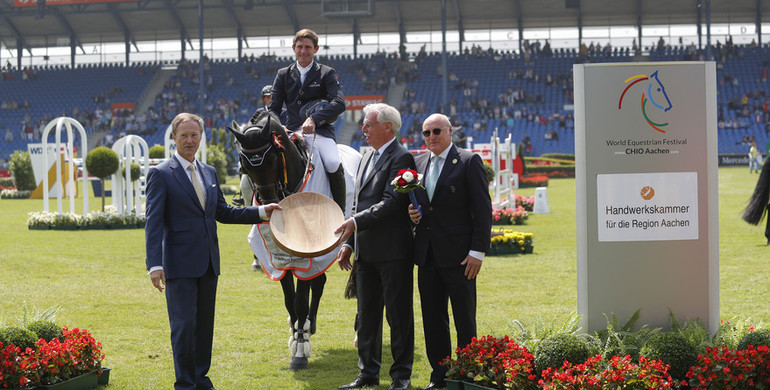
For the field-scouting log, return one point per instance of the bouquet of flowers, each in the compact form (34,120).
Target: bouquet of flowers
(405,182)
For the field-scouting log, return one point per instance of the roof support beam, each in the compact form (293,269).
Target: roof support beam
(520,24)
(128,38)
(400,23)
(183,36)
(460,26)
(356,38)
(639,23)
(74,41)
(19,41)
(759,23)
(239,29)
(292,15)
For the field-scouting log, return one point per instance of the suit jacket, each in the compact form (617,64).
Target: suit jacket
(459,218)
(320,83)
(180,235)
(383,227)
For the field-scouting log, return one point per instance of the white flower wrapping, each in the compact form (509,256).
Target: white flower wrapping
(408,178)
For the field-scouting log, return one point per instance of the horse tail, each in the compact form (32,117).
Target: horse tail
(757,208)
(350,286)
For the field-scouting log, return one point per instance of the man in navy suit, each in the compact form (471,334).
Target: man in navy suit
(298,86)
(184,203)
(383,251)
(451,237)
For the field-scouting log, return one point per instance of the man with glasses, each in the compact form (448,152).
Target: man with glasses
(451,237)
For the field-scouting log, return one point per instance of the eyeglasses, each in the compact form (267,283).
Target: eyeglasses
(436,131)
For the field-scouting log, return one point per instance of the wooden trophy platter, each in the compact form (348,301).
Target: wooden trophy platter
(305,225)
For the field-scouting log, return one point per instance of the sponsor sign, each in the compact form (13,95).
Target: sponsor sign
(358,102)
(647,206)
(646,191)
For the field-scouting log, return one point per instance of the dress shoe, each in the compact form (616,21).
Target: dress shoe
(400,384)
(361,381)
(435,385)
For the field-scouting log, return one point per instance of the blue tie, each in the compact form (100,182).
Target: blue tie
(435,170)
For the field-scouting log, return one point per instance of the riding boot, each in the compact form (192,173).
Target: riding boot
(337,186)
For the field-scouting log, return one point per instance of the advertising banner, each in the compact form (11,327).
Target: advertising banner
(358,102)
(646,191)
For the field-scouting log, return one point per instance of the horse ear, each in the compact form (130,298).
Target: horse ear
(237,133)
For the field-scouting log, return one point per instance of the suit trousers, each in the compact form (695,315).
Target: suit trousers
(438,286)
(390,285)
(190,303)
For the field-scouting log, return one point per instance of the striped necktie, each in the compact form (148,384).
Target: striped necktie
(197,185)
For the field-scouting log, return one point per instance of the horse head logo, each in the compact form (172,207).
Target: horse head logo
(653,92)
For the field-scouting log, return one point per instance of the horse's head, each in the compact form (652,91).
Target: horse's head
(656,92)
(262,146)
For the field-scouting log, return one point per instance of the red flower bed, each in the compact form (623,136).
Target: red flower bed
(617,373)
(724,368)
(50,362)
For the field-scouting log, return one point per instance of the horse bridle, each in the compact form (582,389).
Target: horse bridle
(258,156)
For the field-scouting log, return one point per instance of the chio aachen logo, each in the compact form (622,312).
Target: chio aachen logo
(653,92)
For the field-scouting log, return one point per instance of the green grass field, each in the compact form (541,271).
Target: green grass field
(98,279)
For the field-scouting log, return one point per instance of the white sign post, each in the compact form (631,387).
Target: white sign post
(646,178)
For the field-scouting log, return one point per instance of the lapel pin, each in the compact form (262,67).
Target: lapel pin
(452,188)
(454,161)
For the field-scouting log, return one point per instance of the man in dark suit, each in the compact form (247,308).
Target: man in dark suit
(304,82)
(184,203)
(383,251)
(451,237)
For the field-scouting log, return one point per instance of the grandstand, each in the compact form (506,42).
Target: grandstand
(490,91)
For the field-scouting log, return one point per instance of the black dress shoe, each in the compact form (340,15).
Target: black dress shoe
(435,385)
(400,384)
(361,381)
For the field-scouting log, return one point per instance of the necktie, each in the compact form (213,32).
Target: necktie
(435,170)
(197,185)
(370,168)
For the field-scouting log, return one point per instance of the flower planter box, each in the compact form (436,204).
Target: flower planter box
(452,384)
(475,386)
(103,379)
(39,227)
(83,382)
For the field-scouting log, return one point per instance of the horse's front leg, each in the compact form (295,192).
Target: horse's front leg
(300,341)
(287,285)
(317,289)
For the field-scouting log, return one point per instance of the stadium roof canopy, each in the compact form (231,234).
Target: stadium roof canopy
(29,24)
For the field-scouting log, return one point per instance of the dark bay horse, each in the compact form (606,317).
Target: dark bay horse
(277,163)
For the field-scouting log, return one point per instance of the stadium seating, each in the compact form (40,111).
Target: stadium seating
(493,77)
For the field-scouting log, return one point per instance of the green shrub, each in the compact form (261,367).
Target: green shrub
(7,182)
(157,151)
(216,158)
(673,349)
(19,337)
(490,171)
(21,169)
(555,349)
(102,162)
(45,329)
(622,340)
(136,172)
(755,338)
